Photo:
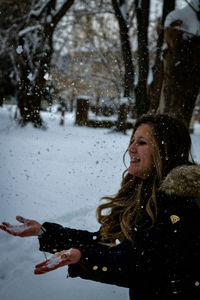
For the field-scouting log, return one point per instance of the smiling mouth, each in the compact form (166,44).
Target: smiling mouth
(135,160)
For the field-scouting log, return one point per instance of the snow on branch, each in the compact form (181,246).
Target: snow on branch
(185,19)
(38,12)
(123,9)
(29,28)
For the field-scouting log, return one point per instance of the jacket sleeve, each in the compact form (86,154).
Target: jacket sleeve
(112,265)
(54,238)
(99,262)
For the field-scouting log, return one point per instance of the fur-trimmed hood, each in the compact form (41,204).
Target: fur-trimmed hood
(183,181)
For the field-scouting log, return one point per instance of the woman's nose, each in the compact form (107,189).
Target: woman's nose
(132,148)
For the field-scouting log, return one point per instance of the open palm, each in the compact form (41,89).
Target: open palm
(59,259)
(28,227)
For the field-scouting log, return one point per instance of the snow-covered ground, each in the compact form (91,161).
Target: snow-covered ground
(57,175)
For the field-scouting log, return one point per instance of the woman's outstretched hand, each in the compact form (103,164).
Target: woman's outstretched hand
(28,227)
(60,259)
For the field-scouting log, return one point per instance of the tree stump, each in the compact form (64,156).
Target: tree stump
(82,108)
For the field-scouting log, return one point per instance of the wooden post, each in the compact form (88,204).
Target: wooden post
(62,119)
(82,107)
(122,116)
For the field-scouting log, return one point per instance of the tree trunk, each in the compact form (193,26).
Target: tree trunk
(154,89)
(181,73)
(122,117)
(29,108)
(34,37)
(97,105)
(142,12)
(125,48)
(128,63)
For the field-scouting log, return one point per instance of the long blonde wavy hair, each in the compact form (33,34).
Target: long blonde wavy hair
(122,212)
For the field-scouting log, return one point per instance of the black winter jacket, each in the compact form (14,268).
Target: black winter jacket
(163,263)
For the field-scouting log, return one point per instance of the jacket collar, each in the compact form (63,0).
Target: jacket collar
(183,181)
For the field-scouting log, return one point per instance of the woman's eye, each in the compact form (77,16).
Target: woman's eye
(142,143)
(138,142)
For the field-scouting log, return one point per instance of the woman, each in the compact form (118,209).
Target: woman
(149,238)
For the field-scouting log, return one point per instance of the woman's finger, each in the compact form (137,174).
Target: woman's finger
(49,267)
(65,256)
(3,227)
(6,224)
(8,230)
(51,263)
(42,264)
(21,219)
(38,272)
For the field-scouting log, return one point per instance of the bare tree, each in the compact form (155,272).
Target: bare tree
(95,60)
(29,44)
(121,13)
(120,9)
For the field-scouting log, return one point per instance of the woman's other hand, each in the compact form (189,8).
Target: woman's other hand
(59,259)
(28,227)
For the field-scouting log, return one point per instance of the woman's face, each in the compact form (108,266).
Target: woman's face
(140,151)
